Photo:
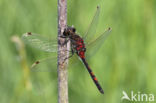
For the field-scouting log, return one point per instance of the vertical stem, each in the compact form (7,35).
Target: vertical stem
(62,66)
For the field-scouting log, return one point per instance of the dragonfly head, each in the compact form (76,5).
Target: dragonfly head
(69,31)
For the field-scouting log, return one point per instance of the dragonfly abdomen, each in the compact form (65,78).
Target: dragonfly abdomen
(93,76)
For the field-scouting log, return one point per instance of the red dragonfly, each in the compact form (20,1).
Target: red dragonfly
(77,44)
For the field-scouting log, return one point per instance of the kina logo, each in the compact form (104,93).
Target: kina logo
(140,97)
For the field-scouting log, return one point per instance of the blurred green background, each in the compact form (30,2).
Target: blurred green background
(126,62)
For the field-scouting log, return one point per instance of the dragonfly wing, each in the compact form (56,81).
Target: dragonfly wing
(45,65)
(43,83)
(92,28)
(39,42)
(93,47)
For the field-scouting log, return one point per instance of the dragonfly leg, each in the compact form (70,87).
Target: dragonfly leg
(72,53)
(66,41)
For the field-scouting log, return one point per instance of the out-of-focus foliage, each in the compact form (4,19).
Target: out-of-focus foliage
(126,61)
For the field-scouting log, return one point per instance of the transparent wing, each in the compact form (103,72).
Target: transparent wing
(43,84)
(93,46)
(92,27)
(45,65)
(39,42)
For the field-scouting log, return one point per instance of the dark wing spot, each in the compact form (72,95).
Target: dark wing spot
(109,28)
(37,62)
(98,6)
(29,33)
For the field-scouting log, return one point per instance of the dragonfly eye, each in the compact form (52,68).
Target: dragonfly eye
(71,29)
(74,30)
(65,33)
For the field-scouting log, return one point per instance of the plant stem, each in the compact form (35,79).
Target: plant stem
(62,66)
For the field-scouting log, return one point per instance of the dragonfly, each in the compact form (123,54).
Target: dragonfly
(82,46)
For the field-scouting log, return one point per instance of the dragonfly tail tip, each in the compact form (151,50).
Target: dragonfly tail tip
(101,90)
